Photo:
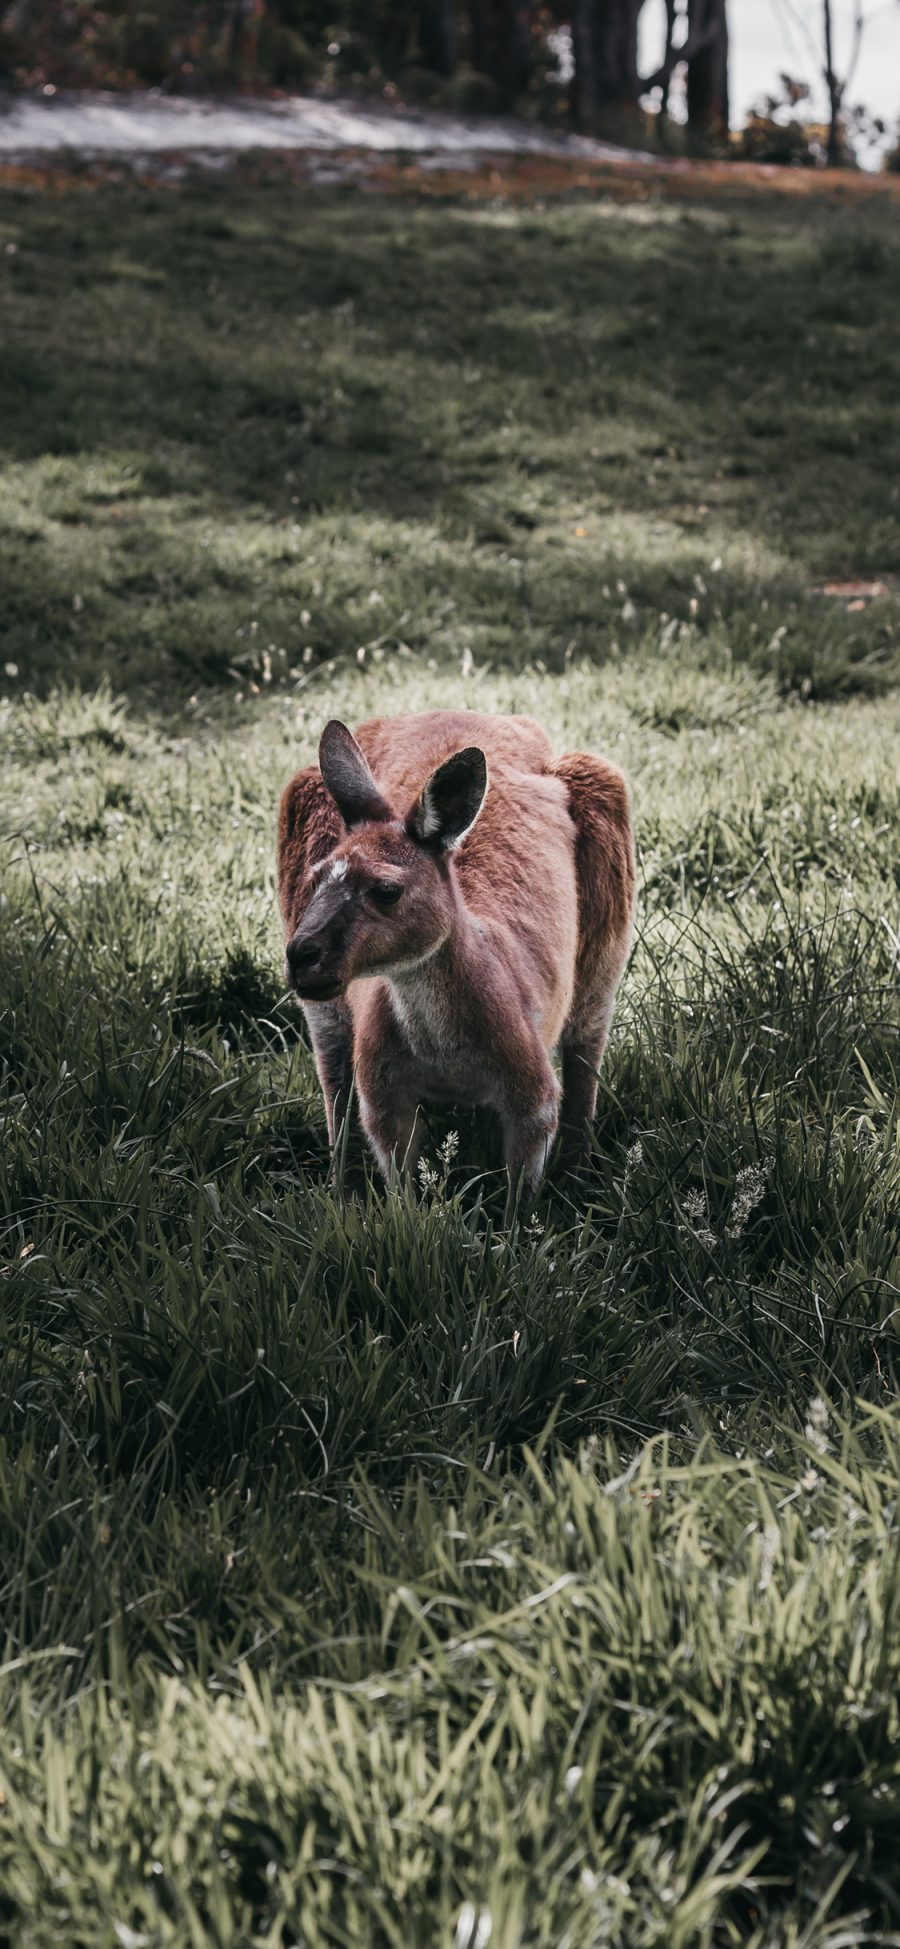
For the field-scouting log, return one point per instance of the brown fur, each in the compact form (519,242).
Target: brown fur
(496,954)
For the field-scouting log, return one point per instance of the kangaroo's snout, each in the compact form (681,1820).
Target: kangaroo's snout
(302,957)
(316,954)
(313,963)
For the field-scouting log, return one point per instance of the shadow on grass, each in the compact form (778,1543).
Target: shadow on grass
(227,407)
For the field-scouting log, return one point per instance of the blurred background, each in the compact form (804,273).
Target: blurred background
(778,80)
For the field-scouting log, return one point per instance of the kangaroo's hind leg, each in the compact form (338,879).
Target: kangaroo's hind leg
(604,867)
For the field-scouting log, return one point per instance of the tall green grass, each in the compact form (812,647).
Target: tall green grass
(374,1570)
(645,1706)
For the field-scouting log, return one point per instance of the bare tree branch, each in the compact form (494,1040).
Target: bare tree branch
(688,50)
(859,21)
(798,20)
(671,18)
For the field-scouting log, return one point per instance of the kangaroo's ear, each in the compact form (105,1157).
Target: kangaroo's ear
(449,804)
(348,777)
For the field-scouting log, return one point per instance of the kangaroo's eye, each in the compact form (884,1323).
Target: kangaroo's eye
(385,893)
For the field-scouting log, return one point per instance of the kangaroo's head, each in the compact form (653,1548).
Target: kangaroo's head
(384,899)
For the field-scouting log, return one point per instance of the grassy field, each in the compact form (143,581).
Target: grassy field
(375,1573)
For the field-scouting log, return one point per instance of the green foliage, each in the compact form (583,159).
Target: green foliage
(351,1591)
(765,139)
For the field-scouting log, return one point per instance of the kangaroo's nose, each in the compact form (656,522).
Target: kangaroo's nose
(302,957)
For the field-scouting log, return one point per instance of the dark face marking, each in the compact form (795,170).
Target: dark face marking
(376,902)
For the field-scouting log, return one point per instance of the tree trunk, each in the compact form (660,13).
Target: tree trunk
(667,83)
(501,42)
(707,73)
(833,152)
(585,79)
(604,45)
(519,22)
(437,36)
(481,17)
(615,44)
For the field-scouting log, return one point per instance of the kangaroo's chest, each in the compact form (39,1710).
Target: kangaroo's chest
(446,1056)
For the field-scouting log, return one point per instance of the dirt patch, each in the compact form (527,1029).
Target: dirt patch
(477,179)
(73,141)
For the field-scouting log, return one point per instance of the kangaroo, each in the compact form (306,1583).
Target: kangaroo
(457,908)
